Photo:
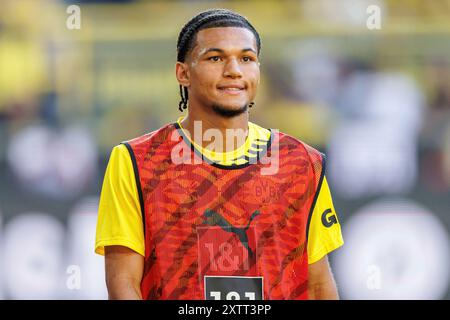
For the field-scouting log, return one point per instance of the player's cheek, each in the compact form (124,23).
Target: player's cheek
(254,75)
(253,85)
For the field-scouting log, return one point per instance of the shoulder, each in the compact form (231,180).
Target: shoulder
(154,137)
(292,143)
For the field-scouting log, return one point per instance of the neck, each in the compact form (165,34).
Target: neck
(232,130)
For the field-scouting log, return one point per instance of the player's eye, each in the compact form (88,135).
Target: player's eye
(247,59)
(214,58)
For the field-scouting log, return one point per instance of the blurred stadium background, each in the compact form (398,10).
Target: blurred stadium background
(377,102)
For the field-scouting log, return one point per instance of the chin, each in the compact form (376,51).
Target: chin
(230,111)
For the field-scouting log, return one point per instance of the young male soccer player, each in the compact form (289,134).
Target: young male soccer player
(179,219)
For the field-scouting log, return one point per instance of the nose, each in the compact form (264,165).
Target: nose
(232,69)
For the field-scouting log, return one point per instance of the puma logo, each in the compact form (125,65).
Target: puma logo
(213,218)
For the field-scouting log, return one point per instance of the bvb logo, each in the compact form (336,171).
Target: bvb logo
(266,191)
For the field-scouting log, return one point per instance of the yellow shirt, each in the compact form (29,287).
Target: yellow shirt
(119,215)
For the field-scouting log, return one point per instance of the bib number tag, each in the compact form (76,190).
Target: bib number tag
(233,288)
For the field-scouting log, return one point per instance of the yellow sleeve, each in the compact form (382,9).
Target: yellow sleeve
(324,234)
(119,219)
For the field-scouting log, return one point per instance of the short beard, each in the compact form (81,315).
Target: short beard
(227,113)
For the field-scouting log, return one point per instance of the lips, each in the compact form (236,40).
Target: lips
(231,88)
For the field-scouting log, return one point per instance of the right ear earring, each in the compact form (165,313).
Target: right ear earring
(182,105)
(184,98)
(251,104)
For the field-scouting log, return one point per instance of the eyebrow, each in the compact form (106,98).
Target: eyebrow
(223,51)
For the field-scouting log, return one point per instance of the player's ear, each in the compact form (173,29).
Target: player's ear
(182,73)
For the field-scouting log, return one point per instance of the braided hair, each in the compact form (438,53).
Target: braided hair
(212,18)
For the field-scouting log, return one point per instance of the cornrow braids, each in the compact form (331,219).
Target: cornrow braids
(212,18)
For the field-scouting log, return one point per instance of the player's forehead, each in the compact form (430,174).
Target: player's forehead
(228,39)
